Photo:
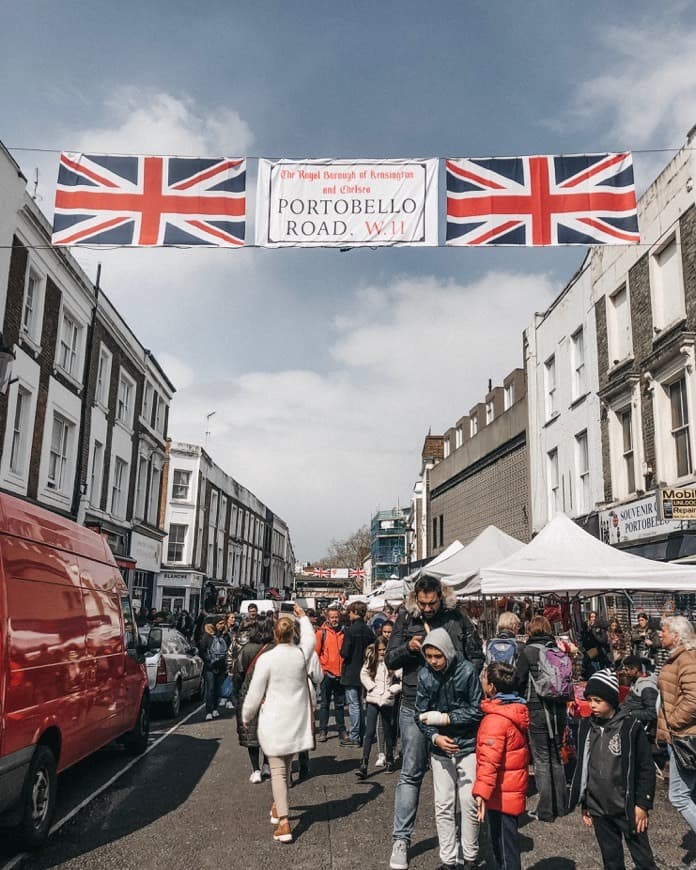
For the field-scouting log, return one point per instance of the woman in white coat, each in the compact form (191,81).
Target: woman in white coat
(279,692)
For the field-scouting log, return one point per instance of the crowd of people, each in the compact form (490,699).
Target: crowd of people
(588,721)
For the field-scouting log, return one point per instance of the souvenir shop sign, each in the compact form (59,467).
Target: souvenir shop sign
(634,520)
(677,504)
(346,203)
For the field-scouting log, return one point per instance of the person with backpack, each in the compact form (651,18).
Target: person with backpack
(504,646)
(213,651)
(256,638)
(545,679)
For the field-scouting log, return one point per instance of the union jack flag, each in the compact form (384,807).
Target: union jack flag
(322,572)
(102,200)
(357,573)
(586,199)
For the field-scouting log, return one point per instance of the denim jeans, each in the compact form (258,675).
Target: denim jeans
(505,840)
(331,688)
(355,711)
(213,684)
(548,773)
(682,784)
(414,763)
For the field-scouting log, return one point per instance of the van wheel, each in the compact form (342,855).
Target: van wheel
(174,706)
(135,741)
(38,798)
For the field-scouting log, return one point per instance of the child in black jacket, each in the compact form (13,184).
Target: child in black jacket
(614,779)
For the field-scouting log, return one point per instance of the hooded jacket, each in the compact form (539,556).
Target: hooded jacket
(456,690)
(502,755)
(641,701)
(328,648)
(411,624)
(627,771)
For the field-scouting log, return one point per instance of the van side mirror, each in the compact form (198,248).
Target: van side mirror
(154,640)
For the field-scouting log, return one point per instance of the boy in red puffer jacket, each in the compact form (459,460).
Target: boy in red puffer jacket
(502,761)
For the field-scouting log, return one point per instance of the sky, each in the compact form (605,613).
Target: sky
(325,370)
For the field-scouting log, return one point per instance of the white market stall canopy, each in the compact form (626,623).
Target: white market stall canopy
(460,572)
(564,559)
(393,590)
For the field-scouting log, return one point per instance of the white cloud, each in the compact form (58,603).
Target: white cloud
(179,373)
(325,449)
(644,96)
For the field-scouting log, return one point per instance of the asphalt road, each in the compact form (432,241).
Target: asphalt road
(189,805)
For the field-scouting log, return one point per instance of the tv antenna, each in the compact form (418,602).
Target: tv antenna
(207,426)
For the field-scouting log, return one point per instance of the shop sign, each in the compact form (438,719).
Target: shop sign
(633,521)
(146,552)
(171,578)
(677,504)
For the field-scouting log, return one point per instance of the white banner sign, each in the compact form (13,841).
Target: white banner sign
(635,520)
(346,203)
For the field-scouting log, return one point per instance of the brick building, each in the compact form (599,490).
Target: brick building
(221,537)
(483,477)
(77,413)
(645,307)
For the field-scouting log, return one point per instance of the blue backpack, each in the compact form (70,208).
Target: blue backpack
(502,649)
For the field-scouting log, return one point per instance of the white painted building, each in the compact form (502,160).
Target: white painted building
(564,432)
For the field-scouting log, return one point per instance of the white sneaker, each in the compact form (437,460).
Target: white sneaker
(256,777)
(399,855)
(222,702)
(209,717)
(215,714)
(229,705)
(381,760)
(265,770)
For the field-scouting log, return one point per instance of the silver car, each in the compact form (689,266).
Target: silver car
(174,668)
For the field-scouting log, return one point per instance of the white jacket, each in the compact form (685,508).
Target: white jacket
(279,692)
(381,691)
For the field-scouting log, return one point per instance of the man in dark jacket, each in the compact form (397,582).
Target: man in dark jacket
(357,637)
(425,611)
(641,701)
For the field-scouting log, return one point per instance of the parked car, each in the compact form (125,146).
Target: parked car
(72,669)
(174,668)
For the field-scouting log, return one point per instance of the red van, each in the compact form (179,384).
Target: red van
(72,672)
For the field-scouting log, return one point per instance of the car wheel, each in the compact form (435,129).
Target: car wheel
(135,741)
(38,798)
(174,706)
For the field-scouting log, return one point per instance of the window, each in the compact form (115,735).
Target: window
(680,427)
(552,465)
(19,431)
(103,377)
(550,386)
(31,298)
(97,471)
(175,545)
(473,423)
(434,533)
(153,500)
(626,420)
(667,286)
(619,326)
(508,396)
(490,412)
(209,563)
(58,453)
(578,363)
(124,405)
(446,448)
(69,346)
(442,530)
(141,493)
(118,488)
(458,437)
(148,394)
(222,523)
(158,422)
(582,464)
(212,517)
(180,484)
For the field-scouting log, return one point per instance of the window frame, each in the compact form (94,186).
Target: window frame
(177,543)
(127,420)
(55,482)
(71,349)
(176,497)
(659,318)
(550,387)
(579,381)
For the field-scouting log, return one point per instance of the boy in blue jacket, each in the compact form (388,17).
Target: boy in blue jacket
(448,711)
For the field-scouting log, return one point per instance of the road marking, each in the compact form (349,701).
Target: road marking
(17,860)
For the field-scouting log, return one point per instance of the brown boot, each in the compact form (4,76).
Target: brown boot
(282,833)
(274,815)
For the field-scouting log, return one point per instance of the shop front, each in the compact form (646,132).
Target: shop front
(147,553)
(179,590)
